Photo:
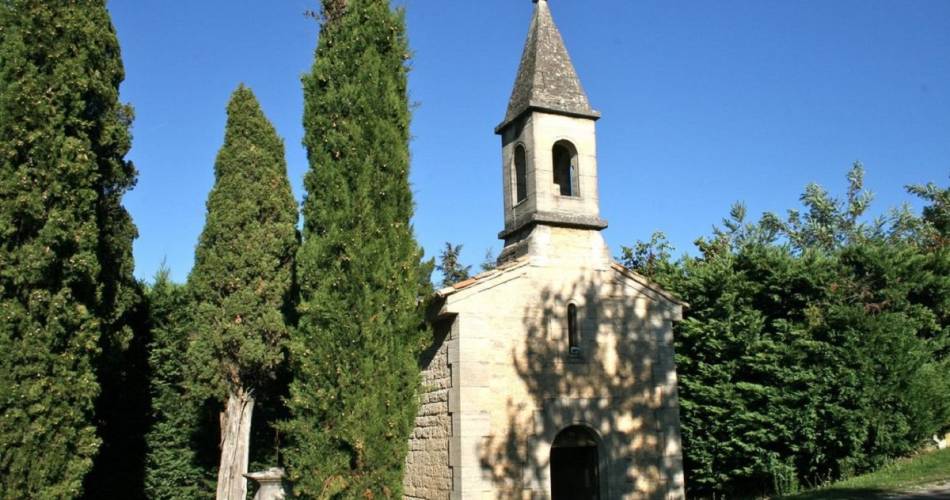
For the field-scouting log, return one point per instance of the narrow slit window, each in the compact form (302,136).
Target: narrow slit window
(521,175)
(564,156)
(573,338)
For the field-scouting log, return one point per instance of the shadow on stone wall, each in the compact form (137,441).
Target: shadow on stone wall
(620,386)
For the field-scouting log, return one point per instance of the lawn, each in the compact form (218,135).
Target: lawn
(901,475)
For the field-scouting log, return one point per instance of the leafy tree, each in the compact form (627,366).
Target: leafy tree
(937,214)
(646,257)
(353,398)
(829,223)
(66,285)
(815,346)
(242,283)
(490,262)
(174,469)
(122,409)
(451,266)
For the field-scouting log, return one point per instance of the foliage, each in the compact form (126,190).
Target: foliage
(122,411)
(66,285)
(242,285)
(490,262)
(242,280)
(450,265)
(174,469)
(937,214)
(353,398)
(815,346)
(647,256)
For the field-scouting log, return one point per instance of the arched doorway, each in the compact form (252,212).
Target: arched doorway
(575,470)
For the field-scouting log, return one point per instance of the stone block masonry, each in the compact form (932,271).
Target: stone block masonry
(428,475)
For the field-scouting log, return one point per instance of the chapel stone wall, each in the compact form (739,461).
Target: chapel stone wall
(519,386)
(427,475)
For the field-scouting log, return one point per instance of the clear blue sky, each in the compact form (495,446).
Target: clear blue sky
(704,103)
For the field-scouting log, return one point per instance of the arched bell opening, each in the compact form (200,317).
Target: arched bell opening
(575,464)
(565,169)
(521,174)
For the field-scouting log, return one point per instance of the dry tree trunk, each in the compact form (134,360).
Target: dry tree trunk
(235,445)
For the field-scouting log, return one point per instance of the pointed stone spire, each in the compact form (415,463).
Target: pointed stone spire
(546,78)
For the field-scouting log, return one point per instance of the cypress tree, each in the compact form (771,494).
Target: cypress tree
(242,283)
(66,283)
(353,397)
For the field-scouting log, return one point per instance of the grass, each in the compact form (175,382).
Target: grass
(900,475)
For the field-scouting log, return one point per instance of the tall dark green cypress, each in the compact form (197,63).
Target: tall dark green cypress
(353,397)
(242,285)
(66,283)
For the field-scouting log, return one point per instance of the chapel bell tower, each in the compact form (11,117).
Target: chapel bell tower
(549,147)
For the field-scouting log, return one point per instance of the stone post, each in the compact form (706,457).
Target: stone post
(272,484)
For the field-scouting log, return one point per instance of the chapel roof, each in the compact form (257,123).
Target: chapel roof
(512,266)
(546,77)
(483,277)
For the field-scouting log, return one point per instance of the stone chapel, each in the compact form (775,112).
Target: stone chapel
(551,376)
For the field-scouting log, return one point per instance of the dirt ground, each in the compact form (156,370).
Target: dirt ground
(931,492)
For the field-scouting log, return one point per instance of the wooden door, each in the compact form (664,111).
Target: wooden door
(574,473)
